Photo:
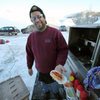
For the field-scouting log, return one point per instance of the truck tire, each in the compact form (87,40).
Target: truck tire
(10,34)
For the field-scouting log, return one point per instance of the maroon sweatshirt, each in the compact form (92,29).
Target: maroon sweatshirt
(47,48)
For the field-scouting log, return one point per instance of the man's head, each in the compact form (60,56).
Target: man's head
(38,18)
(36,8)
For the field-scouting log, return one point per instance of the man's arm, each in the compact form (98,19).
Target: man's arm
(30,57)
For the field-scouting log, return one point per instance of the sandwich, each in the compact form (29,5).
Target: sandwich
(57,76)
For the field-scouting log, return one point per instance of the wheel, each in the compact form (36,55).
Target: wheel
(15,33)
(10,34)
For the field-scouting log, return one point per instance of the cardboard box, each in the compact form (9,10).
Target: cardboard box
(14,89)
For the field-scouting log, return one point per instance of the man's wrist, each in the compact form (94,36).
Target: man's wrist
(59,65)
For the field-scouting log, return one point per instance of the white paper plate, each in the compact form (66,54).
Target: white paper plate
(60,82)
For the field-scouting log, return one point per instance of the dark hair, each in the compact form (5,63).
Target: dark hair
(35,8)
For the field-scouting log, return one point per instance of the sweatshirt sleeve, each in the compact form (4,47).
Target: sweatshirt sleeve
(29,54)
(62,49)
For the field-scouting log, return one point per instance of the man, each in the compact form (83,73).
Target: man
(47,47)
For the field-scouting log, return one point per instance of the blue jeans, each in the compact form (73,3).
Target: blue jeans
(46,87)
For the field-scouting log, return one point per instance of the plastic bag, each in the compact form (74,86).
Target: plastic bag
(93,78)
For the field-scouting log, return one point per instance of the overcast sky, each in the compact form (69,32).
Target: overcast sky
(18,10)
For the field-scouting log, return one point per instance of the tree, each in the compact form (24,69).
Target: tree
(86,17)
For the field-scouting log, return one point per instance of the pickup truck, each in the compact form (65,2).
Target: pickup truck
(84,52)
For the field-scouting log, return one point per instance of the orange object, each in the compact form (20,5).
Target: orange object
(67,85)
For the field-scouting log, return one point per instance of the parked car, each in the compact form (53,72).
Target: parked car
(28,29)
(9,30)
(17,29)
(63,28)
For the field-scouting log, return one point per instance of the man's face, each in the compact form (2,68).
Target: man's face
(38,20)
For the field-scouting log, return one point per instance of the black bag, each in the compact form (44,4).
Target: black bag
(46,78)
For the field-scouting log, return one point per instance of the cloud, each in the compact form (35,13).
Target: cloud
(14,13)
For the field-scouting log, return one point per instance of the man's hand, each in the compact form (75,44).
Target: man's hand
(60,68)
(30,71)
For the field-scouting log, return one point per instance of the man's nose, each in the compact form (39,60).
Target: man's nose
(37,19)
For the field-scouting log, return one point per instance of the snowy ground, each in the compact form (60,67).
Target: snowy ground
(13,60)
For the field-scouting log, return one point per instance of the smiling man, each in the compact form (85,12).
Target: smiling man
(48,48)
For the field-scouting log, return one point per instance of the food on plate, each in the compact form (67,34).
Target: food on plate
(67,85)
(57,76)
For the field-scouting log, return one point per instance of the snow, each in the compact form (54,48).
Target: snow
(13,60)
(98,21)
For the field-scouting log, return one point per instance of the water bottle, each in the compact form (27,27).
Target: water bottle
(70,93)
